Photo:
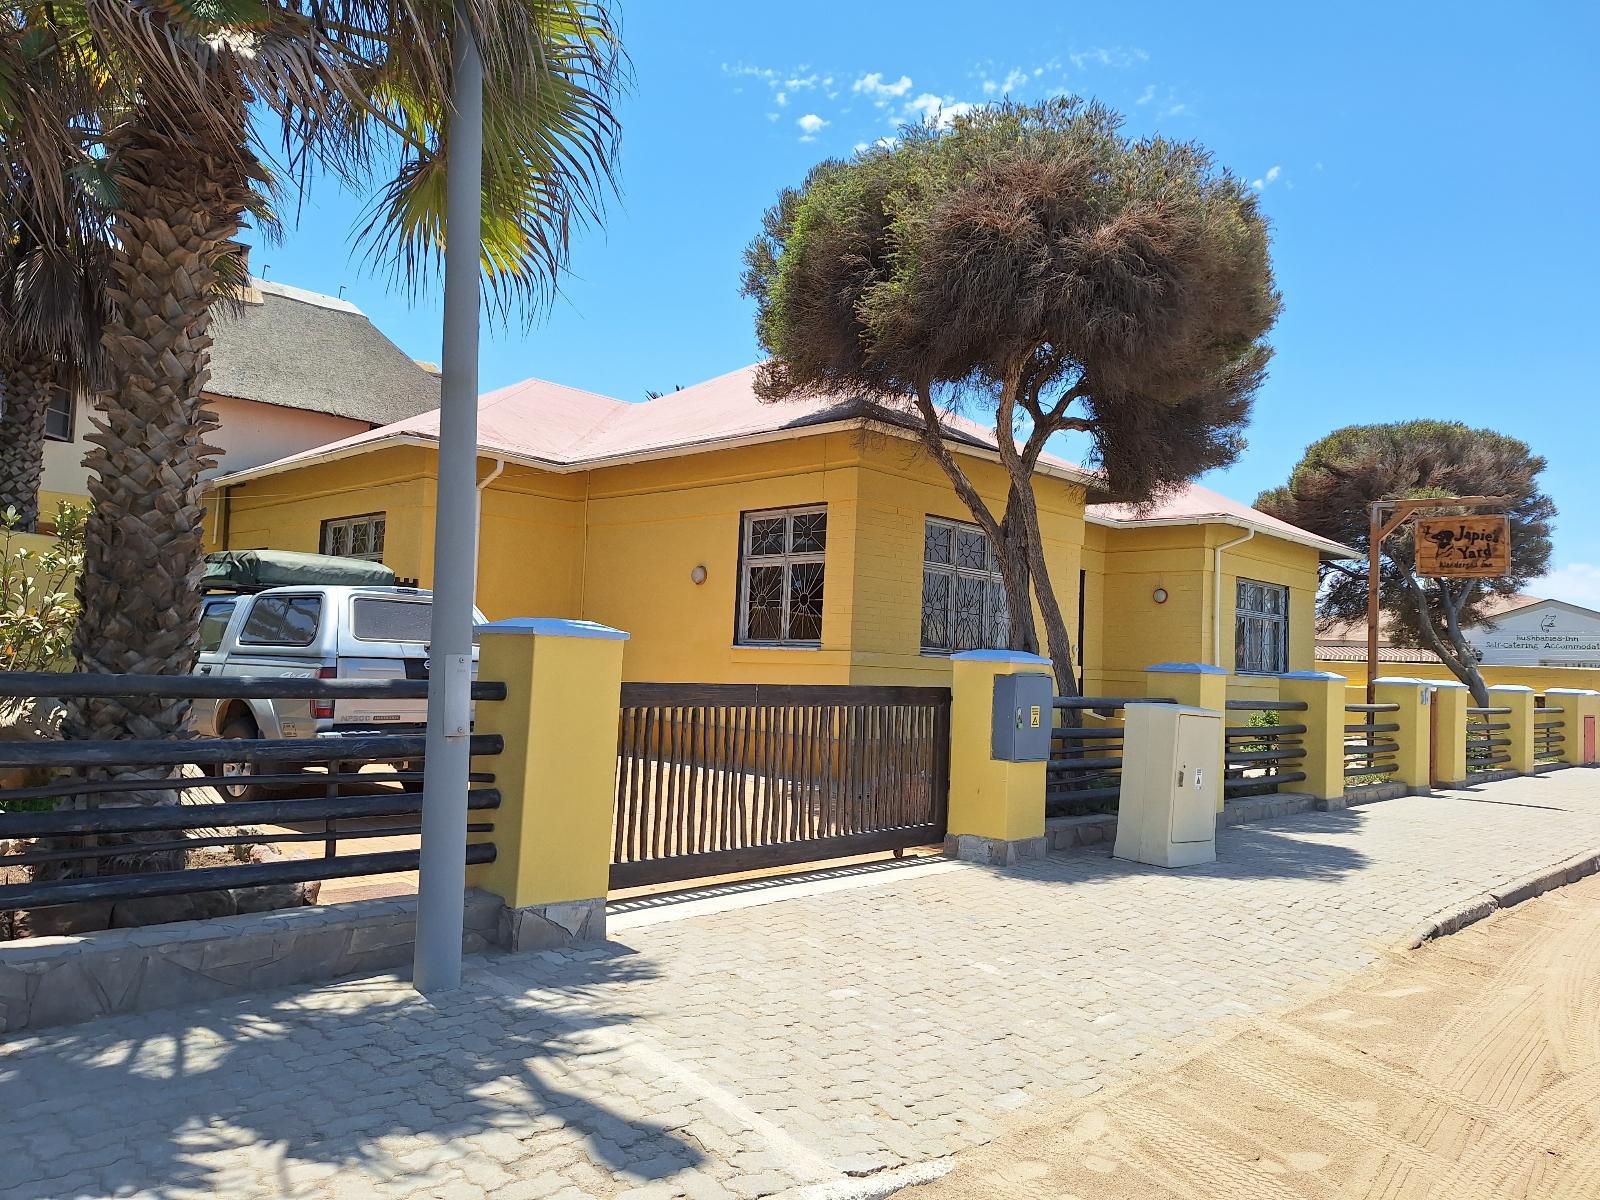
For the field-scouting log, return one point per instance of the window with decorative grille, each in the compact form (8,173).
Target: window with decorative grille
(781,570)
(963,596)
(1261,628)
(356,537)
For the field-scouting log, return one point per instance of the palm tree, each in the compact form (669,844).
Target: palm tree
(344,85)
(52,270)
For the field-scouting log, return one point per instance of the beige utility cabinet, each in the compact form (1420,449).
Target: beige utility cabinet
(1171,778)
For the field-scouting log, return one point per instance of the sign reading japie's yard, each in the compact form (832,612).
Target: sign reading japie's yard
(1463,547)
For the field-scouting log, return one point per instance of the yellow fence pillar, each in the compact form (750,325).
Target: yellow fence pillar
(1199,685)
(1450,703)
(1323,694)
(1414,737)
(1519,699)
(1579,706)
(556,776)
(996,807)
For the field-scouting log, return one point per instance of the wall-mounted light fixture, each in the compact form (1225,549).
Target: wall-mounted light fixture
(697,576)
(1159,595)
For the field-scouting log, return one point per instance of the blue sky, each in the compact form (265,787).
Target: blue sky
(1429,169)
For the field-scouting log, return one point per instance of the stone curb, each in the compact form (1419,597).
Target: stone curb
(1507,895)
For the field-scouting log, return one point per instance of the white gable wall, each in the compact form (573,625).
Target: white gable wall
(1549,633)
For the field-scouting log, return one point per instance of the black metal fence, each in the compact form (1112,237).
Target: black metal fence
(1488,746)
(98,814)
(1369,747)
(1261,756)
(1549,732)
(1084,773)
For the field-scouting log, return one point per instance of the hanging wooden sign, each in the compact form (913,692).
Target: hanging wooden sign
(1464,547)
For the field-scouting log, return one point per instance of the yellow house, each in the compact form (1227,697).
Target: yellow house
(814,542)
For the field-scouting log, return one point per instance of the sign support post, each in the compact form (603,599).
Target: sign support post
(1383,518)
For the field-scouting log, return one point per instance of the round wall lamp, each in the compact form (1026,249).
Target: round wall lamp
(1159,595)
(697,576)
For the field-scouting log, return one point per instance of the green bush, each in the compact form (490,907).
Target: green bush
(37,607)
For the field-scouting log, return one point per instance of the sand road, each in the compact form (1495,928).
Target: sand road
(1467,1070)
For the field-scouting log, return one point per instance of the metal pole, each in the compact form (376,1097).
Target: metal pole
(442,883)
(1374,550)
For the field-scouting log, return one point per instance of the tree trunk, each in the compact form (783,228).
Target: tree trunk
(28,384)
(1013,553)
(182,189)
(1458,655)
(1021,502)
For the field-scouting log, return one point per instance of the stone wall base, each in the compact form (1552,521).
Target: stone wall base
(48,981)
(553,926)
(993,852)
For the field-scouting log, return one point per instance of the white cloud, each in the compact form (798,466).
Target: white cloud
(1268,179)
(1147,95)
(1576,583)
(1108,56)
(801,83)
(879,90)
(1273,172)
(939,110)
(1014,79)
(782,98)
(810,126)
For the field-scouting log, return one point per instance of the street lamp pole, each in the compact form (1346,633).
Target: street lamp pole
(442,884)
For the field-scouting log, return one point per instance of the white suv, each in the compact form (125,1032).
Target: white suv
(327,632)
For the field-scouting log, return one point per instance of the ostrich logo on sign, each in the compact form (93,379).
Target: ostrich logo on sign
(1548,625)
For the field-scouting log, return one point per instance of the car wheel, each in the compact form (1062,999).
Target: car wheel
(232,779)
(413,786)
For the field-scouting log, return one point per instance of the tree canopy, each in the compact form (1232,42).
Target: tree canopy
(1341,474)
(1033,265)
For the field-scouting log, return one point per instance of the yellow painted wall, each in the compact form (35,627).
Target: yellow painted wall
(650,524)
(1540,679)
(1125,630)
(618,545)
(285,512)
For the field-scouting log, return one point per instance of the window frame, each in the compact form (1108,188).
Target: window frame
(1270,621)
(72,416)
(206,605)
(989,573)
(316,632)
(787,559)
(349,523)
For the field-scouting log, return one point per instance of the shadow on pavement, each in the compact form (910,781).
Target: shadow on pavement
(162,1104)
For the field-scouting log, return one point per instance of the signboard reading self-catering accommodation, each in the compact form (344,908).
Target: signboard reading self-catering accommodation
(1464,547)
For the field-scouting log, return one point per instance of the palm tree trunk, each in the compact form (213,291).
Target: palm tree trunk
(28,382)
(182,191)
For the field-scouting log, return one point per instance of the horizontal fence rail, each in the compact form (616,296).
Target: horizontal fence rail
(1549,732)
(118,820)
(1488,746)
(62,685)
(717,779)
(1084,773)
(1369,747)
(1260,757)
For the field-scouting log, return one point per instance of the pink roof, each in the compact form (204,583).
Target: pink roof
(569,428)
(1196,503)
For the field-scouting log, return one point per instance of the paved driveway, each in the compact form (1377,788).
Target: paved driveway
(777,1039)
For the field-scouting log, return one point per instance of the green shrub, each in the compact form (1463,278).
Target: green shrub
(37,607)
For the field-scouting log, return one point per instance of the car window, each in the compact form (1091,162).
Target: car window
(214,618)
(282,621)
(378,620)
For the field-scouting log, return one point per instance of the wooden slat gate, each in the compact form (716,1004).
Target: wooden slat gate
(714,779)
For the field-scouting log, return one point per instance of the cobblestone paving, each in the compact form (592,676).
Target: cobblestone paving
(762,1049)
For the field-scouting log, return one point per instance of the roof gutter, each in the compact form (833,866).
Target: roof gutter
(477,522)
(1216,603)
(1326,548)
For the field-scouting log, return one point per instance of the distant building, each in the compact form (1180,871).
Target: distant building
(1527,631)
(290,369)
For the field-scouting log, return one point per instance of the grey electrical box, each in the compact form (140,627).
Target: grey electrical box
(1021,718)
